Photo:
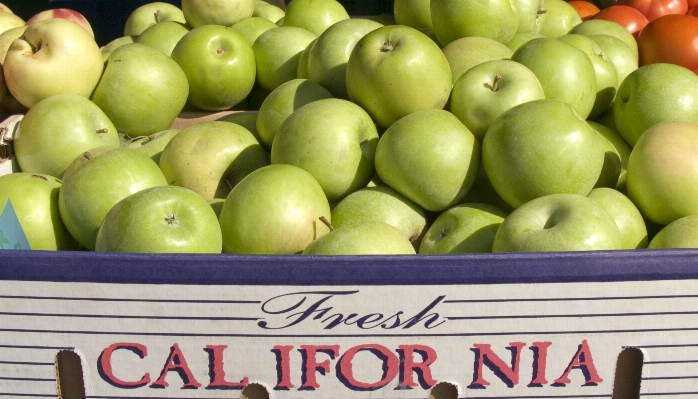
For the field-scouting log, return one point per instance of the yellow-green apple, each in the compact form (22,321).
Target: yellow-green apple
(681,233)
(413,13)
(9,21)
(282,102)
(565,72)
(464,228)
(4,8)
(64,13)
(531,14)
(362,238)
(277,52)
(57,130)
(92,185)
(142,90)
(253,27)
(165,219)
(395,71)
(652,94)
(334,140)
(6,39)
(219,64)
(618,53)
(633,232)
(464,53)
(270,12)
(163,36)
(153,144)
(482,192)
(115,44)
(434,170)
(8,104)
(494,19)
(216,12)
(274,210)
(662,177)
(210,158)
(382,204)
(35,201)
(560,19)
(302,71)
(558,222)
(486,90)
(150,14)
(55,56)
(539,148)
(247,119)
(602,27)
(314,15)
(616,159)
(328,57)
(520,38)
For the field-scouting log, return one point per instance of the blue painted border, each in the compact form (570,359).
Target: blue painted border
(637,265)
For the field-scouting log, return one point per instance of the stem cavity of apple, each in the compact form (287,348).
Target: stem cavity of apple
(87,155)
(541,12)
(171,220)
(326,223)
(495,84)
(624,100)
(387,47)
(36,48)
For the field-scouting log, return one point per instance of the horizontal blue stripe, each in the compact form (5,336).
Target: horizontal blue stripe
(556,267)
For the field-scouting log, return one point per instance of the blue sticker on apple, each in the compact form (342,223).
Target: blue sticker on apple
(11,234)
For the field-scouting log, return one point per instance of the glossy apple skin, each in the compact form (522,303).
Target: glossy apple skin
(150,14)
(92,187)
(560,19)
(163,36)
(631,225)
(464,53)
(57,130)
(216,12)
(652,94)
(520,38)
(282,102)
(275,210)
(540,148)
(617,154)
(270,12)
(35,201)
(252,28)
(380,80)
(64,13)
(219,65)
(494,19)
(6,39)
(314,15)
(464,228)
(662,177)
(530,14)
(9,21)
(565,72)
(603,27)
(433,170)
(558,222)
(277,52)
(362,238)
(68,62)
(141,103)
(164,219)
(115,44)
(230,153)
(334,140)
(618,53)
(681,233)
(413,13)
(248,120)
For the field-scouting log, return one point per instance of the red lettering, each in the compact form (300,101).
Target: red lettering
(390,365)
(283,366)
(311,364)
(105,369)
(485,356)
(540,359)
(581,360)
(409,365)
(217,371)
(176,362)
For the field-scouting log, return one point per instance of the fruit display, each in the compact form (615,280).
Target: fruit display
(447,127)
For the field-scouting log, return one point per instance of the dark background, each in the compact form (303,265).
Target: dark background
(108,17)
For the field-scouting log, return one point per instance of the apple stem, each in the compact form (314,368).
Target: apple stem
(36,48)
(40,177)
(497,78)
(387,47)
(541,12)
(151,137)
(364,141)
(103,130)
(327,223)
(87,155)
(157,17)
(229,184)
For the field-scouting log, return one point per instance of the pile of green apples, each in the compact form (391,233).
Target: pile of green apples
(446,127)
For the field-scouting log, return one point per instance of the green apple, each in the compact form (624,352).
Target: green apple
(328,57)
(142,90)
(57,130)
(560,19)
(164,219)
(662,177)
(413,13)
(150,14)
(395,71)
(531,14)
(565,72)
(9,21)
(494,19)
(115,44)
(483,192)
(274,210)
(6,39)
(617,154)
(486,90)
(55,56)
(64,13)
(633,231)
(219,64)
(277,52)
(520,38)
(681,233)
(652,94)
(382,204)
(153,144)
(618,53)
(464,53)
(302,71)
(362,238)
(334,140)
(210,158)
(464,228)
(92,185)
(246,119)
(163,36)
(434,170)
(558,222)
(314,15)
(35,201)
(282,102)
(270,12)
(593,27)
(539,148)
(252,28)
(216,12)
